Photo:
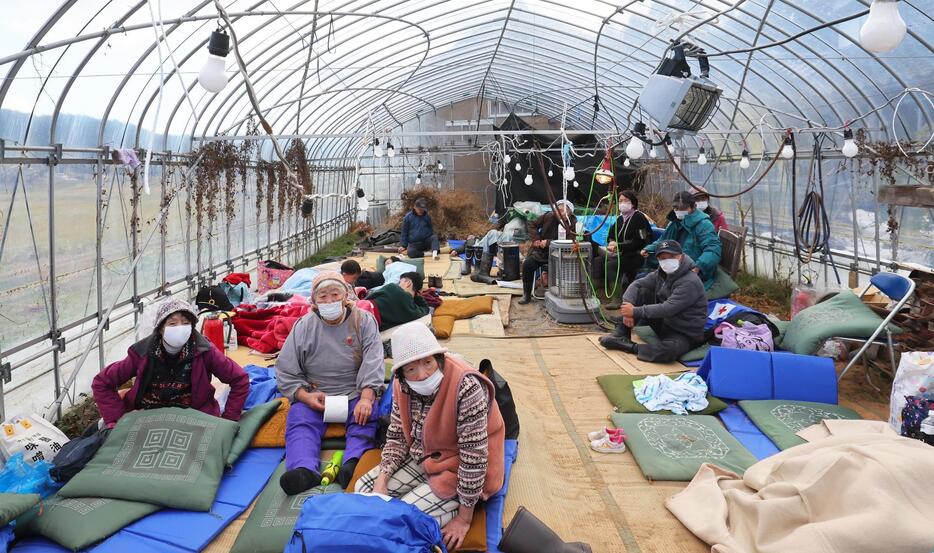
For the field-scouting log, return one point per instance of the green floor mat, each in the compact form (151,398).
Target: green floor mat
(781,419)
(696,354)
(270,524)
(618,389)
(674,447)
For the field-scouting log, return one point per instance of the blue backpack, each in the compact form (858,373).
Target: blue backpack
(355,523)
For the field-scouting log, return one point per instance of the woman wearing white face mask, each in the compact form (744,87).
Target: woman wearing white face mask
(671,300)
(172,368)
(620,262)
(444,446)
(334,350)
(691,228)
(703,204)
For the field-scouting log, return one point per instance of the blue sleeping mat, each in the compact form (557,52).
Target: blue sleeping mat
(495,505)
(746,432)
(804,378)
(177,531)
(737,373)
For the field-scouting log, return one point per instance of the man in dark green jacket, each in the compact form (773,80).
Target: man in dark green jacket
(400,303)
(691,228)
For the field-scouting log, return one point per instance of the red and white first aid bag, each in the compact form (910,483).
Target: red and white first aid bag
(36,437)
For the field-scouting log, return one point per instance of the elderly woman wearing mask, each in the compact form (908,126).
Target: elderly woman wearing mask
(444,446)
(172,368)
(334,350)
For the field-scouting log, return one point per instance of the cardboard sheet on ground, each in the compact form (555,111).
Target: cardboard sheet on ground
(674,447)
(649,337)
(172,457)
(781,420)
(482,325)
(618,389)
(631,365)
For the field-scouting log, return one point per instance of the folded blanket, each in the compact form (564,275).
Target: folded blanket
(265,330)
(687,392)
(859,493)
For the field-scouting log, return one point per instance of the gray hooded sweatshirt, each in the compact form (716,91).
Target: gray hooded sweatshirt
(678,299)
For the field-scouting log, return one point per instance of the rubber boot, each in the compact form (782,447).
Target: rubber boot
(527,534)
(468,264)
(483,274)
(526,292)
(620,339)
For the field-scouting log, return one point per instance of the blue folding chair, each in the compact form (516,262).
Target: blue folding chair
(899,289)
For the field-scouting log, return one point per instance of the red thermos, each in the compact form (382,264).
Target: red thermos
(213,330)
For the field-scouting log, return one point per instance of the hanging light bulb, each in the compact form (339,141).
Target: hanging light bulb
(849,145)
(440,166)
(528,179)
(670,147)
(744,161)
(507,158)
(788,150)
(551,173)
(212,76)
(626,162)
(652,153)
(635,149)
(702,157)
(576,184)
(390,150)
(569,173)
(377,149)
(505,182)
(884,29)
(518,166)
(418,178)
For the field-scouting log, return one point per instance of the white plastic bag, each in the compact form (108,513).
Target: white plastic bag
(37,438)
(915,377)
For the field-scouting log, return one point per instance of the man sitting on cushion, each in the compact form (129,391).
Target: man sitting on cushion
(671,300)
(334,350)
(444,445)
(692,229)
(400,303)
(418,234)
(172,368)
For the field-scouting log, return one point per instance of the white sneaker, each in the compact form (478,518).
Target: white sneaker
(434,254)
(600,434)
(609,444)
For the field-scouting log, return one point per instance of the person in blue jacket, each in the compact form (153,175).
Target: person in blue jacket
(418,234)
(693,229)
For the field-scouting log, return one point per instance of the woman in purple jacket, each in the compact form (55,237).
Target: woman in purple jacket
(172,368)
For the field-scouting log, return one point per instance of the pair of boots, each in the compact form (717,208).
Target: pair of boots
(620,339)
(527,534)
(482,272)
(300,480)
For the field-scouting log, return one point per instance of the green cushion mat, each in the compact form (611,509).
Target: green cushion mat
(722,285)
(696,354)
(674,447)
(843,315)
(249,424)
(78,522)
(13,505)
(172,457)
(270,524)
(781,419)
(418,263)
(618,389)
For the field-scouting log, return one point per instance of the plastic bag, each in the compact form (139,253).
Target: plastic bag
(802,297)
(18,476)
(32,435)
(915,377)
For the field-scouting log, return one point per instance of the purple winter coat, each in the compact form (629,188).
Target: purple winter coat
(208,360)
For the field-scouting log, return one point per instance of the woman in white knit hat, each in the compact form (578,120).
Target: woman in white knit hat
(444,446)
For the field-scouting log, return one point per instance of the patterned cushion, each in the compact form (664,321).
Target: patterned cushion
(782,419)
(78,522)
(172,457)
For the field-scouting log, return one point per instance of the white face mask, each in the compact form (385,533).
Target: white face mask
(625,209)
(175,337)
(669,265)
(681,214)
(701,206)
(330,311)
(427,386)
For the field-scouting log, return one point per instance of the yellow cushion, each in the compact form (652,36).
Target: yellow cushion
(272,433)
(456,309)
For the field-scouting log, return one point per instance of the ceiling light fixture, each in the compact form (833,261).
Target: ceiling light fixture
(702,157)
(212,75)
(884,29)
(849,149)
(744,160)
(788,150)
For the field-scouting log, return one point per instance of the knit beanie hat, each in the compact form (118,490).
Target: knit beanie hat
(331,278)
(170,306)
(411,342)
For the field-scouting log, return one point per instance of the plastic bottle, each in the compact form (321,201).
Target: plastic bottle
(232,338)
(927,429)
(329,474)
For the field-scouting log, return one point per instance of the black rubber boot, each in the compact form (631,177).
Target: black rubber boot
(625,344)
(483,274)
(526,292)
(298,480)
(346,473)
(468,262)
(527,534)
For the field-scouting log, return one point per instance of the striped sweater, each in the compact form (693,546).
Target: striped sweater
(472,440)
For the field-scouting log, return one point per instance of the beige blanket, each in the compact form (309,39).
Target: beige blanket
(854,493)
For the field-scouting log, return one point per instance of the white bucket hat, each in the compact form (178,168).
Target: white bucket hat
(413,341)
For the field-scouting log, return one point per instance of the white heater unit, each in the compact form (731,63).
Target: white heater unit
(568,299)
